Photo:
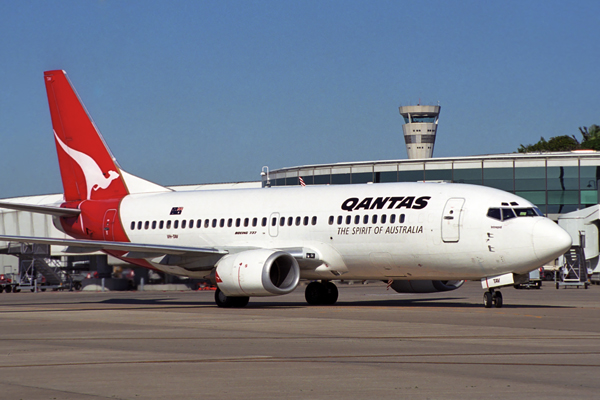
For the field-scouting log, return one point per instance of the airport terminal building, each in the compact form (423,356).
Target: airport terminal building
(557,183)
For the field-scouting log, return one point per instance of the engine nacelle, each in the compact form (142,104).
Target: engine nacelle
(402,286)
(259,272)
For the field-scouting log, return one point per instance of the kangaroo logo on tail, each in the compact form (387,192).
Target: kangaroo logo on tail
(94,177)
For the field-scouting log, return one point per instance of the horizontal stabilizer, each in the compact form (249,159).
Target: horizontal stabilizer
(49,210)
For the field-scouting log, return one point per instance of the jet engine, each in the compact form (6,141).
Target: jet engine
(261,272)
(402,286)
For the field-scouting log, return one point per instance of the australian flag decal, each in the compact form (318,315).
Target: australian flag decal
(176,210)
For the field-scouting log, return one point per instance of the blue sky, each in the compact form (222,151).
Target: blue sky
(210,91)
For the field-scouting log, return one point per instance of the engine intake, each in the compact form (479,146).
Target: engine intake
(403,286)
(261,272)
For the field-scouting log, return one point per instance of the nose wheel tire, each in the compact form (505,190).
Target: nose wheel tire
(492,298)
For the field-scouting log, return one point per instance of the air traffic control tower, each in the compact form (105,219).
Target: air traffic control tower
(420,126)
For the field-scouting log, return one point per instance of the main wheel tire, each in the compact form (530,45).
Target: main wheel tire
(487,300)
(8,289)
(331,293)
(225,301)
(1,288)
(497,299)
(315,293)
(240,302)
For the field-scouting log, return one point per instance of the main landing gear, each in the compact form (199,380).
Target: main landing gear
(492,298)
(230,302)
(321,293)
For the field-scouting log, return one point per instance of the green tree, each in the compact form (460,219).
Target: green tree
(557,143)
(591,141)
(591,137)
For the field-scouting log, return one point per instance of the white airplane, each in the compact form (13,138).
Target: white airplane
(419,237)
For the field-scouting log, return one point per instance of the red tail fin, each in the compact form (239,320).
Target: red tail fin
(88,169)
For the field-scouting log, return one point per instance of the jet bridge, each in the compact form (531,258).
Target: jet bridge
(583,257)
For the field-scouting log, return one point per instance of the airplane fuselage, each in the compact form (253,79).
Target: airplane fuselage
(371,231)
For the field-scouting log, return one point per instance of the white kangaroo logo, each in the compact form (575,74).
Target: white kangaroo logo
(94,178)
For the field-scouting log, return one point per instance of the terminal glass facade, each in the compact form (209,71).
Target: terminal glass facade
(557,184)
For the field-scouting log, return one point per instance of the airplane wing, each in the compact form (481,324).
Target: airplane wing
(135,250)
(51,210)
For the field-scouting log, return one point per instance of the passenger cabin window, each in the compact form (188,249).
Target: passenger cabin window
(357,219)
(273,221)
(401,218)
(132,225)
(214,223)
(161,224)
(222,222)
(383,218)
(153,224)
(374,219)
(348,219)
(340,219)
(199,223)
(175,224)
(246,221)
(290,221)
(305,221)
(366,219)
(183,224)
(169,224)
(238,221)
(229,223)
(282,221)
(254,221)
(264,221)
(314,220)
(298,220)
(147,225)
(139,224)
(392,218)
(206,223)
(331,218)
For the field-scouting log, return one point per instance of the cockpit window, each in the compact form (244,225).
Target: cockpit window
(507,213)
(494,213)
(502,214)
(526,212)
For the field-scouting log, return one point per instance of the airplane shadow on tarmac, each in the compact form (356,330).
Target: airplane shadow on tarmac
(437,302)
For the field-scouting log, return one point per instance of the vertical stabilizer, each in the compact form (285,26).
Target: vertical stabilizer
(88,169)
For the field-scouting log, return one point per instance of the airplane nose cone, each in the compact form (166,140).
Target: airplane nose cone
(549,240)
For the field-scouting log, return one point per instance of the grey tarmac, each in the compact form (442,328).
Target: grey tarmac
(374,343)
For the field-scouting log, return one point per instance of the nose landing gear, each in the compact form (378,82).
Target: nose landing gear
(492,298)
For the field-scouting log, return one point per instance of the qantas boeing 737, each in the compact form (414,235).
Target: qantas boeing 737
(421,237)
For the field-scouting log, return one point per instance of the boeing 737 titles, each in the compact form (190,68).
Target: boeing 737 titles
(421,237)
